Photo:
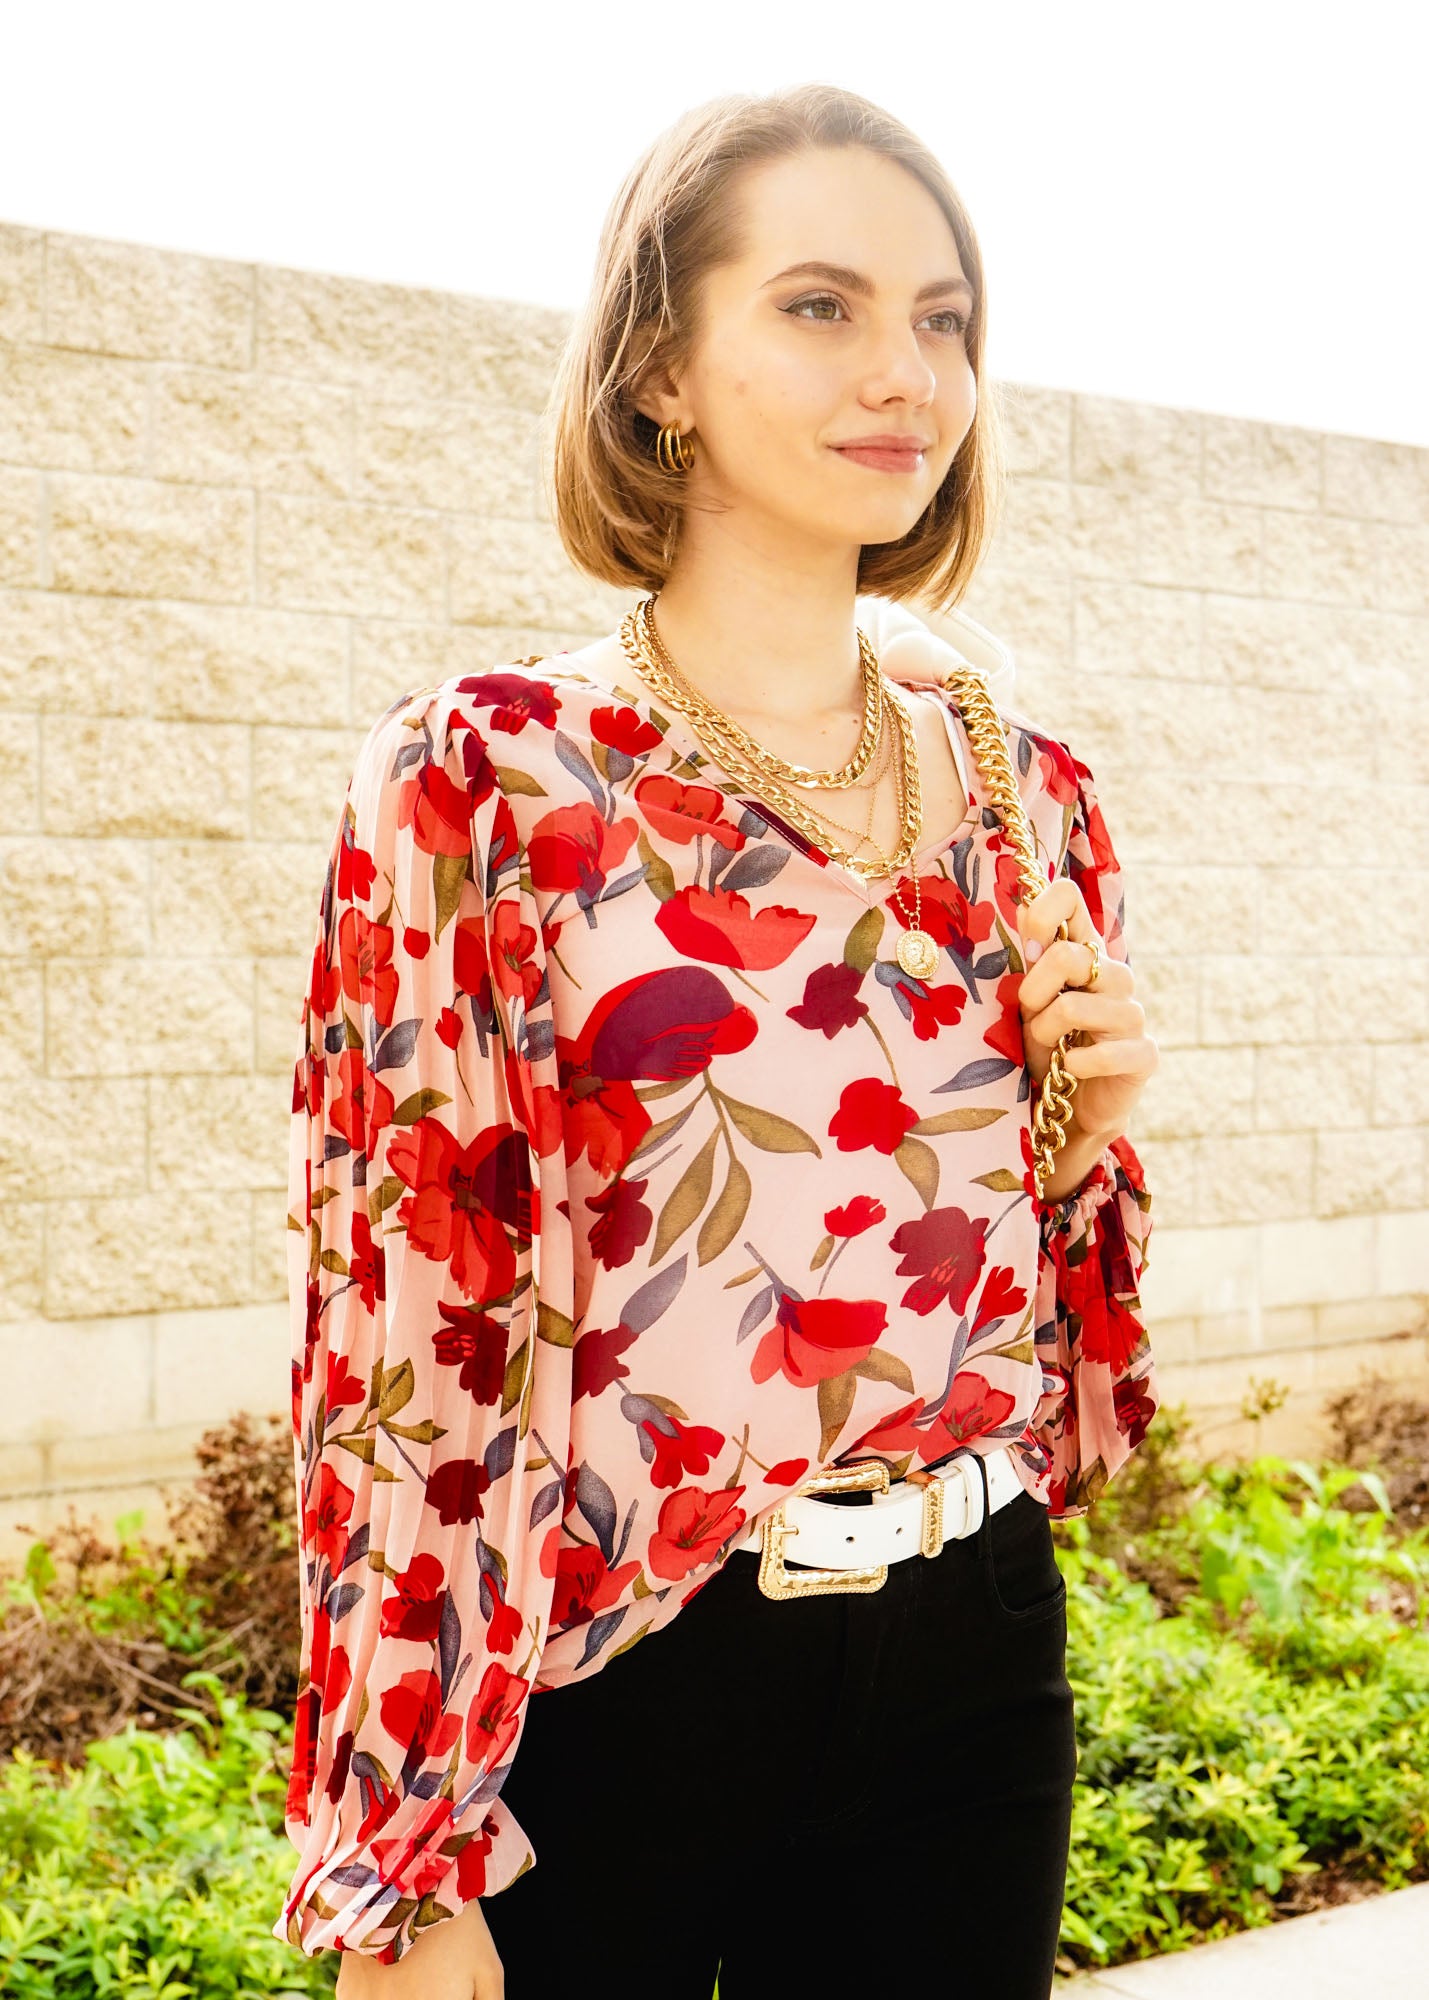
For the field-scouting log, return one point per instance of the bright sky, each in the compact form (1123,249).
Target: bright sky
(1215,207)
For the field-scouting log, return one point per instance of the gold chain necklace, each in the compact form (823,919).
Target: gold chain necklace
(916,951)
(715,725)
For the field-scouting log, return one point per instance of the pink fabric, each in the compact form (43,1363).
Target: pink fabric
(633,1182)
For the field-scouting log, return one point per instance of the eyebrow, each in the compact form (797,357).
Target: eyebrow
(854,281)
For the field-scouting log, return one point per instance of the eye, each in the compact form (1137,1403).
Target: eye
(796,310)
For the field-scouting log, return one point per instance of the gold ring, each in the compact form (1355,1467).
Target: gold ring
(1096,972)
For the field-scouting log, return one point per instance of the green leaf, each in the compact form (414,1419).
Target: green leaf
(554,1326)
(965,1118)
(418,1105)
(726,1218)
(659,876)
(861,944)
(767,1130)
(686,1199)
(881,1367)
(920,1164)
(836,1394)
(449,873)
(513,1379)
(512,779)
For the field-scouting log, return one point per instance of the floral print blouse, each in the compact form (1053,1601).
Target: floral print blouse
(632,1182)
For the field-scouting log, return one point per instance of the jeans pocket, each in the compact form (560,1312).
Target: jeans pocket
(1020,1573)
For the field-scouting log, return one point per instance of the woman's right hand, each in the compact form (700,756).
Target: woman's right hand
(454,1960)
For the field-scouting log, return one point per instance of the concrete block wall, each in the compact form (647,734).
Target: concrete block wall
(242,509)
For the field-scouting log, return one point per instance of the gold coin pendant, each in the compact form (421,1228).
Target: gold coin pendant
(917,953)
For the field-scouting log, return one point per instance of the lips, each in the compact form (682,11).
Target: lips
(899,457)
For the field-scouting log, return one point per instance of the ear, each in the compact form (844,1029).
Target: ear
(658,395)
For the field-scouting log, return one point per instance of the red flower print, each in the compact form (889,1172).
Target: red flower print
(871,1113)
(369,977)
(512,699)
(454,1490)
(1004,1031)
(1057,768)
(942,1008)
(367,1266)
(1007,879)
(471,971)
(596,1361)
(788,1472)
(337,1678)
(689,1450)
(947,1250)
(356,870)
(974,1407)
(830,1000)
(412,1609)
(622,729)
(670,1023)
(492,1724)
(467,1202)
(574,848)
(1001,1298)
(325,1524)
(513,968)
(813,1339)
(537,1105)
(437,810)
(411,1711)
(691,1527)
(679,812)
(718,926)
(586,1585)
(475,1343)
(855,1216)
(343,1387)
(503,1626)
(623,1222)
(362,1104)
(948,917)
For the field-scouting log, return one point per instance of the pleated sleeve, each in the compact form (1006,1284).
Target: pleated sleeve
(430,1378)
(1099,1380)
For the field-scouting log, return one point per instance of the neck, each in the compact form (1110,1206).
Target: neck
(763,636)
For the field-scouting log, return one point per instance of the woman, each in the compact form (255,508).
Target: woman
(663,1145)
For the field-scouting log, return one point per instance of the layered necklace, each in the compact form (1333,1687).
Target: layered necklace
(770,776)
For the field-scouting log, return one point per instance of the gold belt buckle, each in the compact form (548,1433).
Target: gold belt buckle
(775,1580)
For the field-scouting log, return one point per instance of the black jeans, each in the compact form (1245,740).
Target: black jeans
(809,1794)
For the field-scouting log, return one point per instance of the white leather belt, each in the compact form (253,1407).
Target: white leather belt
(850,1548)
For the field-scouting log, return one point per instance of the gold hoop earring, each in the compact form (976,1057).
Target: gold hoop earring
(674,451)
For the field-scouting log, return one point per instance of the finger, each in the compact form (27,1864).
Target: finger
(1132,1056)
(1095,1015)
(1067,963)
(1059,903)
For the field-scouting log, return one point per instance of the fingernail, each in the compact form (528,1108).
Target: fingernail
(1033,951)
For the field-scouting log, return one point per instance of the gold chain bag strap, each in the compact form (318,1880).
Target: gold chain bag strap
(968,689)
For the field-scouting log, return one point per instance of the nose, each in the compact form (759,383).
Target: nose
(896,369)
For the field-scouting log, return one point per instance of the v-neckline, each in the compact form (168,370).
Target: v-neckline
(673,731)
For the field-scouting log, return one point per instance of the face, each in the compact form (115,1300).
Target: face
(789,369)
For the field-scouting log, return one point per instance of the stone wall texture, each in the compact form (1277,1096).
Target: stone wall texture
(243,509)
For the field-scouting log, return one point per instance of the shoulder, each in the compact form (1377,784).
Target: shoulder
(494,706)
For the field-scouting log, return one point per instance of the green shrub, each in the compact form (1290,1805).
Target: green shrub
(157,1869)
(1276,1723)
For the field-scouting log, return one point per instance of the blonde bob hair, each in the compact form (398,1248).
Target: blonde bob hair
(617,510)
